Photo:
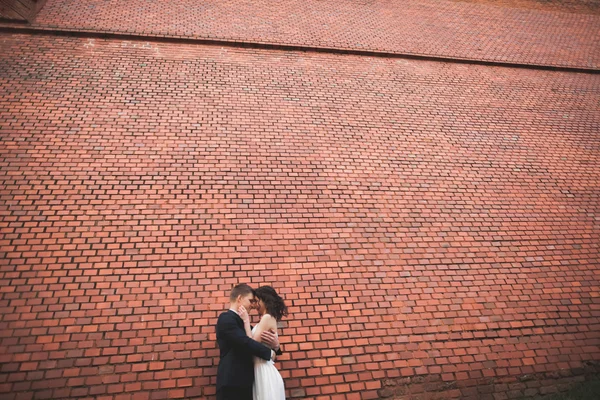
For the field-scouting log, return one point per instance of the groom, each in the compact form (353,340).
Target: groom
(235,375)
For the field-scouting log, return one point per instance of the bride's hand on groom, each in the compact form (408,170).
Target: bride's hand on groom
(270,339)
(243,313)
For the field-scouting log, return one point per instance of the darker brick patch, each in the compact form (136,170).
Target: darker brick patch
(19,10)
(509,387)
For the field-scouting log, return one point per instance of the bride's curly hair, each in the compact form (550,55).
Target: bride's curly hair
(273,302)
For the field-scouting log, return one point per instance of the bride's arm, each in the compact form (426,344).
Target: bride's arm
(246,319)
(248,329)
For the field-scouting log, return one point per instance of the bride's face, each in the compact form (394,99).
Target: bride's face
(260,306)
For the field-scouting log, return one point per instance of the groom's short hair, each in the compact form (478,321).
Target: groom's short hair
(241,289)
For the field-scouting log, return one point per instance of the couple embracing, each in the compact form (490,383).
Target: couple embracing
(246,369)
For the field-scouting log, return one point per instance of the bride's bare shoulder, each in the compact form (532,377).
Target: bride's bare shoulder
(268,319)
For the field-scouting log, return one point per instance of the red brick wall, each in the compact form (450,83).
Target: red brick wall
(434,227)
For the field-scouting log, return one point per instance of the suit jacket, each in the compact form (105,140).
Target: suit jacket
(236,367)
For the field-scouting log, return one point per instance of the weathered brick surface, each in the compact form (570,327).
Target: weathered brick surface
(571,6)
(434,227)
(423,27)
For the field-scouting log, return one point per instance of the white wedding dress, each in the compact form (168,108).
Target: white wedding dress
(268,383)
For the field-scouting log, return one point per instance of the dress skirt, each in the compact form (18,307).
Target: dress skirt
(268,383)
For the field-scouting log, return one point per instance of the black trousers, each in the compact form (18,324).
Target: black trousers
(234,393)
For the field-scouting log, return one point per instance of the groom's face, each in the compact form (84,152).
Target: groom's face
(248,302)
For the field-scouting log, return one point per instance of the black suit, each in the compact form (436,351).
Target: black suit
(235,374)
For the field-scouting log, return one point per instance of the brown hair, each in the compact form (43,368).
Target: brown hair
(273,302)
(240,290)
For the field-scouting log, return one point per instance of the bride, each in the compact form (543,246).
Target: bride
(268,384)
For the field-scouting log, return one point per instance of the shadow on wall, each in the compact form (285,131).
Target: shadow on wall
(20,10)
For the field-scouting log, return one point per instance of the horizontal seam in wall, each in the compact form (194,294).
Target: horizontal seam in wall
(9,28)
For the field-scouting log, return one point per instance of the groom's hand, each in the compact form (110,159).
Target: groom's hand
(270,339)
